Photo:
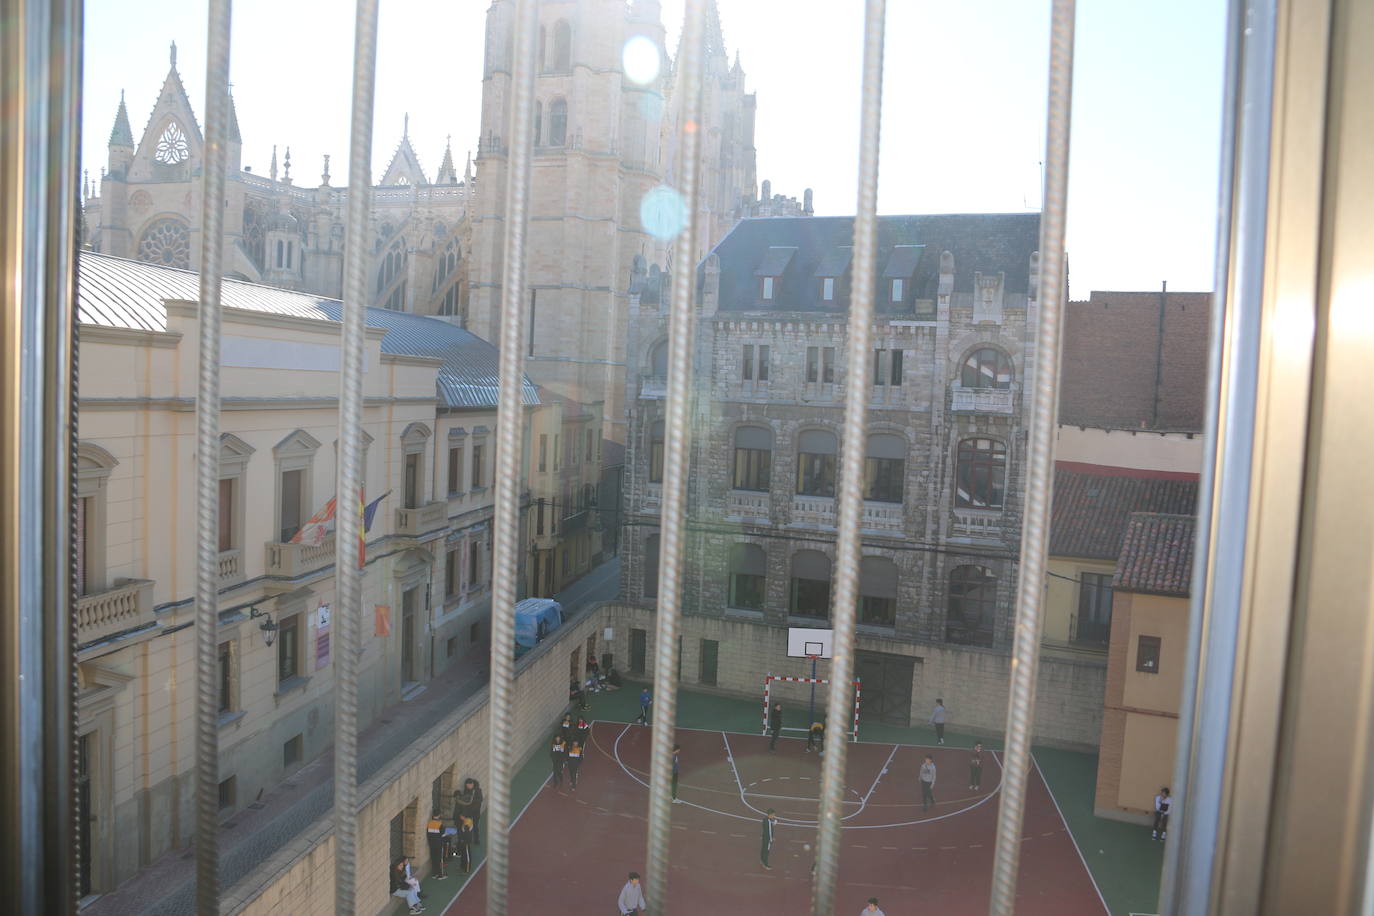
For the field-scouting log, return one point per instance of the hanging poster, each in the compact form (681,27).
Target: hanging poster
(322,616)
(382,620)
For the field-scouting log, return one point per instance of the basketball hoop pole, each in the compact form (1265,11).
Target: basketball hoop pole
(813,695)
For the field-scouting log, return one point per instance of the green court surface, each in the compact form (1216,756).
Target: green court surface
(1122,858)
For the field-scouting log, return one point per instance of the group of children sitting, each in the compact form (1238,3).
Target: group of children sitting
(597,681)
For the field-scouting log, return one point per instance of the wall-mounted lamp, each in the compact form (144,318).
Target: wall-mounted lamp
(268,626)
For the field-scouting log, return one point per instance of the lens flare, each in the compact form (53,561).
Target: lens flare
(663,213)
(641,60)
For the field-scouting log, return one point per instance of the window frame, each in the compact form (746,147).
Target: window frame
(295,453)
(288,648)
(1145,648)
(974,366)
(985,463)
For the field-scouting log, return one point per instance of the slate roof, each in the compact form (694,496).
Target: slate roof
(1092,505)
(1157,556)
(122,293)
(980,242)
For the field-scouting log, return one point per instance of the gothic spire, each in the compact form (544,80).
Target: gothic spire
(447,173)
(234,135)
(121,135)
(324,178)
(272,171)
(174,55)
(286,176)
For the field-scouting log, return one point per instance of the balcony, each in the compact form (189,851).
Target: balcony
(230,567)
(653,497)
(421,519)
(747,506)
(885,518)
(126,606)
(653,387)
(813,511)
(981,400)
(291,560)
(984,524)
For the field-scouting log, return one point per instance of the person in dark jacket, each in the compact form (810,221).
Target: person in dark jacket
(467,835)
(975,767)
(558,755)
(816,737)
(774,725)
(574,763)
(770,821)
(567,729)
(468,803)
(582,731)
(434,835)
(677,766)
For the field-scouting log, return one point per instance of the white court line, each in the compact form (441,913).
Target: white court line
(1072,838)
(785,821)
(887,763)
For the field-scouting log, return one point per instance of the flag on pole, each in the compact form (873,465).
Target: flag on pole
(369,512)
(313,532)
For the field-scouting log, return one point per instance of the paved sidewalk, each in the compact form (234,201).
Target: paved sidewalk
(167,886)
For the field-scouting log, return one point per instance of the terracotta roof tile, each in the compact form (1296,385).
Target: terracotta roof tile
(1157,556)
(1091,508)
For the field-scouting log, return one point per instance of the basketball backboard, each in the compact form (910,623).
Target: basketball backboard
(804,641)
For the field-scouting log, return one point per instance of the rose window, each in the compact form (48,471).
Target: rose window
(171,146)
(166,242)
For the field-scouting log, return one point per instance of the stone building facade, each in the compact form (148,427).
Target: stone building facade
(429,424)
(945,452)
(605,150)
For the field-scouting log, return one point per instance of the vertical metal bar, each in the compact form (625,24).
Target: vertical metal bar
(207,460)
(853,450)
(509,426)
(40,44)
(1205,710)
(1025,660)
(348,487)
(675,464)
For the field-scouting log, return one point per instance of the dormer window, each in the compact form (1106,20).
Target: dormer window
(897,289)
(901,268)
(833,266)
(771,269)
(828,289)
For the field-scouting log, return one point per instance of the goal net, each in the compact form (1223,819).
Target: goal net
(795,694)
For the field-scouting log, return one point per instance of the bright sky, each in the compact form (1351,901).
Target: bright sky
(964,104)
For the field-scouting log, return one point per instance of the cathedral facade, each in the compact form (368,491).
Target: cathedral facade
(604,143)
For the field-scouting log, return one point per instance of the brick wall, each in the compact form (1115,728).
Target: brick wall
(1111,348)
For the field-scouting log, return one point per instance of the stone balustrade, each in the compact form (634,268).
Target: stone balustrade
(231,566)
(977,523)
(125,606)
(291,560)
(884,517)
(421,519)
(813,511)
(747,506)
(982,400)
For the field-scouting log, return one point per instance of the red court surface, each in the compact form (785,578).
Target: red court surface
(572,850)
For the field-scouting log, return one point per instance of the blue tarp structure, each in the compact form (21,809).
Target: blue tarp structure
(535,618)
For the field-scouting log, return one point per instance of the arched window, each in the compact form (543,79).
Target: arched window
(656,452)
(538,121)
(748,575)
(878,591)
(651,566)
(810,584)
(658,360)
(753,458)
(987,367)
(414,444)
(885,468)
(562,46)
(558,122)
(166,242)
(982,474)
(972,606)
(816,450)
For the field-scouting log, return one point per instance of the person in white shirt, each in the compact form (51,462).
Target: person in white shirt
(631,898)
(1163,802)
(872,908)
(937,718)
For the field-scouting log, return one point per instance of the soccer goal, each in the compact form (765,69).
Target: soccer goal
(774,688)
(811,644)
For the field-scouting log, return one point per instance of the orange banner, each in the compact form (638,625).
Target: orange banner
(382,614)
